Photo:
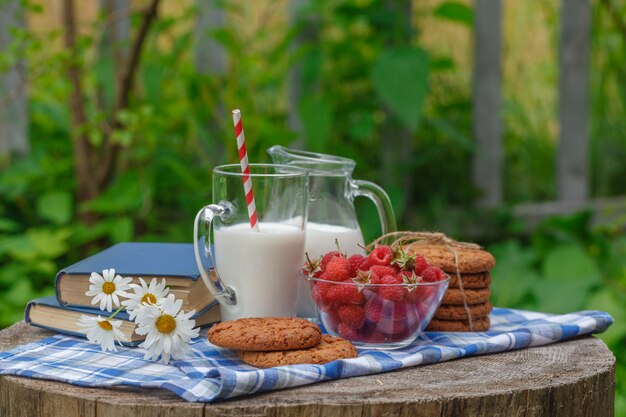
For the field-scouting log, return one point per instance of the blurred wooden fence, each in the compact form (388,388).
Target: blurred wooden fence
(572,155)
(571,166)
(13,109)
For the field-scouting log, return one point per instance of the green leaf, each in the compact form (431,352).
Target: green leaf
(122,230)
(442,64)
(456,12)
(400,79)
(613,303)
(55,206)
(124,195)
(8,225)
(10,272)
(317,119)
(513,276)
(362,126)
(569,276)
(13,301)
(36,244)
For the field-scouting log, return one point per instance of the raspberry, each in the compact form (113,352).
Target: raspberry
(381,255)
(433,274)
(415,295)
(391,327)
(428,294)
(365,266)
(318,292)
(373,310)
(330,320)
(420,264)
(344,294)
(327,258)
(347,332)
(400,335)
(351,315)
(355,263)
(408,277)
(393,290)
(413,323)
(312,267)
(375,337)
(382,270)
(338,269)
(400,311)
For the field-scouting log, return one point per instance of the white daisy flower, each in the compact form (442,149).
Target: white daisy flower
(107,288)
(168,330)
(102,331)
(144,294)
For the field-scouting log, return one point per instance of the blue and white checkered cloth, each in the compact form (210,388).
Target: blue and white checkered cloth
(211,374)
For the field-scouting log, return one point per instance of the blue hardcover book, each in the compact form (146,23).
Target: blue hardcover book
(47,313)
(173,261)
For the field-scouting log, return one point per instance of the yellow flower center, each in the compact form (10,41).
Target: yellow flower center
(108,287)
(105,325)
(148,298)
(166,324)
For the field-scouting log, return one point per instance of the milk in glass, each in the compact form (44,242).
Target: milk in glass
(320,239)
(262,267)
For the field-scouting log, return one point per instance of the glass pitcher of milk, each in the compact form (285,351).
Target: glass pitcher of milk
(331,213)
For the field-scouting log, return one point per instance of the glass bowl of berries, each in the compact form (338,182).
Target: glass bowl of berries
(383,300)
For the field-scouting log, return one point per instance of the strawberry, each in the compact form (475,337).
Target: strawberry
(392,290)
(327,258)
(382,270)
(433,274)
(337,269)
(420,264)
(355,263)
(346,293)
(351,315)
(381,255)
(347,332)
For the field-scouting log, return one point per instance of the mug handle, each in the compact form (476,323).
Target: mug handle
(204,255)
(381,201)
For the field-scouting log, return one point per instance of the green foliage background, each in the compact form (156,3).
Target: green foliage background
(366,78)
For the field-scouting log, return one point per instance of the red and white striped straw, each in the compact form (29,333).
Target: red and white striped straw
(245,170)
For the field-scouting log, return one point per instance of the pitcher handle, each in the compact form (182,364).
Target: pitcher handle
(204,256)
(381,200)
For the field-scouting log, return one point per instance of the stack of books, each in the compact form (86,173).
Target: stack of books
(173,261)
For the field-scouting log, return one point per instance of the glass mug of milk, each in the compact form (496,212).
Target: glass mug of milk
(253,273)
(331,213)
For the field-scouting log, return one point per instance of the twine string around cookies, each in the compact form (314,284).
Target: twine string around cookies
(402,238)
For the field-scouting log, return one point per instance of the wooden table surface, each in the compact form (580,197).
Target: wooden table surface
(574,378)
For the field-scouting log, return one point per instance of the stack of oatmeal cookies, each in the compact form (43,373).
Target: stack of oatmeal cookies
(465,306)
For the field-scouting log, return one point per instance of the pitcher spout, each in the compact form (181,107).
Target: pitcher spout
(315,163)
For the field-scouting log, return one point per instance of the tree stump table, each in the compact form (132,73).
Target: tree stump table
(569,379)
